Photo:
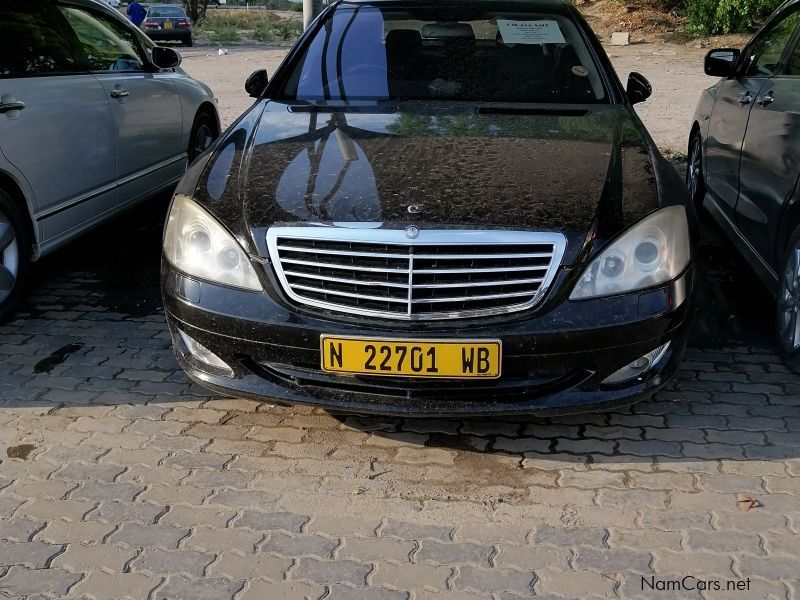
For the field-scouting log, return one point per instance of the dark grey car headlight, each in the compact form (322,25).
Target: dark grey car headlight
(653,251)
(197,244)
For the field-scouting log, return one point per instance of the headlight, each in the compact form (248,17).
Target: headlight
(653,251)
(198,245)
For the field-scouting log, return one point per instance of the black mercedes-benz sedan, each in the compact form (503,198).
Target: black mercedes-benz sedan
(434,208)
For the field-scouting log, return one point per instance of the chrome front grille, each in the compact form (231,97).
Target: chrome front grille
(441,274)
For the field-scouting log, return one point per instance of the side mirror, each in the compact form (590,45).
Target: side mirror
(165,58)
(255,84)
(721,62)
(638,89)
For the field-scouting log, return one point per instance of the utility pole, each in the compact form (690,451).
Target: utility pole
(311,8)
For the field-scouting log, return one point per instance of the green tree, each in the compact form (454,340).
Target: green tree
(196,9)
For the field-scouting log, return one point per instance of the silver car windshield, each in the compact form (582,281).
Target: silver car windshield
(370,53)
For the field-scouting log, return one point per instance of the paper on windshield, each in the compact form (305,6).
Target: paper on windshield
(530,32)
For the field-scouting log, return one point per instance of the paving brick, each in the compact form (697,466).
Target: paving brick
(752,521)
(265,590)
(346,525)
(83,558)
(647,448)
(37,488)
(155,476)
(416,531)
(21,582)
(77,471)
(96,491)
(59,531)
(768,567)
(632,498)
(494,580)
(533,557)
(781,543)
(487,530)
(198,460)
(196,415)
(244,498)
(149,457)
(405,576)
(609,561)
(18,530)
(328,572)
(299,544)
(143,513)
(8,505)
(373,550)
(644,540)
(237,566)
(691,563)
(136,535)
(215,540)
(169,562)
(343,592)
(190,516)
(662,481)
(525,444)
(569,537)
(267,521)
(207,588)
(101,585)
(573,584)
(203,478)
(450,553)
(421,456)
(31,554)
(591,479)
(166,494)
(45,510)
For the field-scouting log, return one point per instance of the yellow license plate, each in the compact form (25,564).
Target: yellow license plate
(168,25)
(451,359)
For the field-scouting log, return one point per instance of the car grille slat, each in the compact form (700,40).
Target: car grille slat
(441,274)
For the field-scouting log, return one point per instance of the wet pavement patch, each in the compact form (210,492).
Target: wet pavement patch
(46,365)
(21,451)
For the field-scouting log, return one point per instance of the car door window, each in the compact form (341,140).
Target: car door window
(31,43)
(793,64)
(764,55)
(108,44)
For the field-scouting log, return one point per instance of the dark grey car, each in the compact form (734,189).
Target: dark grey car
(744,160)
(93,118)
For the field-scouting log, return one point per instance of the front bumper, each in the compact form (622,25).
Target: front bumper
(554,361)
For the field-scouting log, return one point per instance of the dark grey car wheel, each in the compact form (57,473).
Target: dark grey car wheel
(203,135)
(14,256)
(787,306)
(695,180)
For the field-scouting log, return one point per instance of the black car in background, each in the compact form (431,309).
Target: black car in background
(744,160)
(164,22)
(434,208)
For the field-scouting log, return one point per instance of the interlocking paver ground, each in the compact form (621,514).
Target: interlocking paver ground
(120,477)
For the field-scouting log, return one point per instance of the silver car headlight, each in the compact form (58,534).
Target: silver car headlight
(195,243)
(653,251)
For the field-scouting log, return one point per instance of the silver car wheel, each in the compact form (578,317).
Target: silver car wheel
(694,169)
(9,257)
(789,302)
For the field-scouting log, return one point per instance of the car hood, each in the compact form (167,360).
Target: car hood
(587,173)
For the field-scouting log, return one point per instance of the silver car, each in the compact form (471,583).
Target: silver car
(93,118)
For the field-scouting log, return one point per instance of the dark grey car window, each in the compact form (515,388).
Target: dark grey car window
(30,42)
(370,53)
(108,44)
(165,11)
(764,56)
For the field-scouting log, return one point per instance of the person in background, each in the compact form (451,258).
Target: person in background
(136,13)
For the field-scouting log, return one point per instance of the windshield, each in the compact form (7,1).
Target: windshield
(166,11)
(370,53)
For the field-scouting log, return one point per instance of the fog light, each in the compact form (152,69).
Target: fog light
(203,354)
(639,366)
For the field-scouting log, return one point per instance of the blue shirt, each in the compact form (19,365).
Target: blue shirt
(136,12)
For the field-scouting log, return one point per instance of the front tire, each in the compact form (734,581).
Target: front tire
(14,255)
(695,180)
(204,132)
(787,305)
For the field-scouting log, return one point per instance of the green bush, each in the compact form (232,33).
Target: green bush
(222,32)
(278,31)
(726,16)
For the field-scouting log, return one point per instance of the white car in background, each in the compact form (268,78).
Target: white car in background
(94,117)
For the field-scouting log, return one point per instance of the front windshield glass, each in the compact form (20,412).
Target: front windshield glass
(370,53)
